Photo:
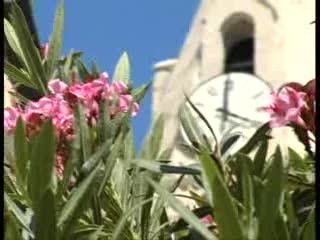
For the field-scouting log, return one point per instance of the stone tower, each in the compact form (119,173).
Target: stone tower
(282,49)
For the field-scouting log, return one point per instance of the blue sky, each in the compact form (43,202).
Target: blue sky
(148,30)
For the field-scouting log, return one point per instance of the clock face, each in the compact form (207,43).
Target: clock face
(231,102)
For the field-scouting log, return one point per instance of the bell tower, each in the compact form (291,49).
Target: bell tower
(270,39)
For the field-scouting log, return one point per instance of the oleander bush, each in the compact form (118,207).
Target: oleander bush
(71,170)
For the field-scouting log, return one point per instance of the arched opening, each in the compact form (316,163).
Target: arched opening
(239,42)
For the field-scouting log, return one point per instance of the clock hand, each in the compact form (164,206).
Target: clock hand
(225,102)
(234,115)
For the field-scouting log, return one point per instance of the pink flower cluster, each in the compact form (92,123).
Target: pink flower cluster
(59,107)
(293,103)
(286,107)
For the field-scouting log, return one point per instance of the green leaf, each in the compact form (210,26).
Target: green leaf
(189,125)
(18,76)
(96,234)
(95,70)
(139,93)
(31,55)
(291,215)
(281,229)
(259,135)
(82,70)
(11,230)
(13,39)
(308,231)
(260,158)
(182,210)
(104,123)
(81,122)
(271,197)
(225,211)
(17,213)
(100,153)
(55,40)
(79,197)
(110,162)
(227,144)
(45,217)
(96,208)
(247,195)
(124,218)
(151,148)
(21,152)
(129,147)
(202,117)
(67,66)
(122,69)
(42,163)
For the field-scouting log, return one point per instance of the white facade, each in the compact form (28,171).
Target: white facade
(284,51)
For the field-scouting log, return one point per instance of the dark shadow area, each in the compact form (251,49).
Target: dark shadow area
(240,57)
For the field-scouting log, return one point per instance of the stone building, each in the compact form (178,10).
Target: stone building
(272,40)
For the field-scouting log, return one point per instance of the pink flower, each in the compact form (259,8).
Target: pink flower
(88,90)
(207,219)
(11,116)
(80,91)
(91,111)
(57,86)
(286,107)
(125,102)
(97,86)
(59,105)
(136,109)
(119,87)
(104,76)
(54,107)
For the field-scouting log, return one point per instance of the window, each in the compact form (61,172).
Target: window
(238,39)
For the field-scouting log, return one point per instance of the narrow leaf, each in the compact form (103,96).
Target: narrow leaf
(308,231)
(31,55)
(45,217)
(21,152)
(260,158)
(13,39)
(182,210)
(151,148)
(202,117)
(122,69)
(17,213)
(55,40)
(271,196)
(139,93)
(78,198)
(259,135)
(225,211)
(227,144)
(18,76)
(42,159)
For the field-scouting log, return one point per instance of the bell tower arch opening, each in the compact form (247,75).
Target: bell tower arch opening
(239,43)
